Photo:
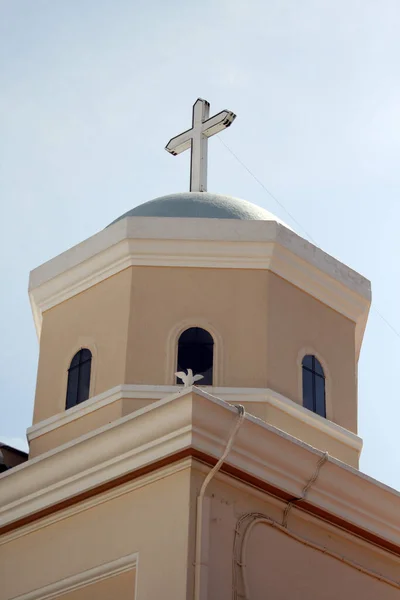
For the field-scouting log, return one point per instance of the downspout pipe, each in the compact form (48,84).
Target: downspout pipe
(203,515)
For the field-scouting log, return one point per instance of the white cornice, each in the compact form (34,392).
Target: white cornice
(232,395)
(80,580)
(196,420)
(212,243)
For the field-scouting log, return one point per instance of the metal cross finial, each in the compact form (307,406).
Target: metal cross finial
(196,138)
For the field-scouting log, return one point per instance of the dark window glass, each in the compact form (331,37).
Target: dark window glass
(84,381)
(313,385)
(308,361)
(79,378)
(308,389)
(85,354)
(75,360)
(318,368)
(196,352)
(72,387)
(320,395)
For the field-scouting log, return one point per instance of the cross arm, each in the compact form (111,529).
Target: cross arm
(179,143)
(218,122)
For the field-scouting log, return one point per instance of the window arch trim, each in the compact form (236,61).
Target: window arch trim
(172,349)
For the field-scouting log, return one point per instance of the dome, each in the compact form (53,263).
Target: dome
(203,205)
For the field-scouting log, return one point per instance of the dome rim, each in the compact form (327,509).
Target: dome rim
(201,205)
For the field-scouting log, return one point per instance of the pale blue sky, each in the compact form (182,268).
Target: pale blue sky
(91,91)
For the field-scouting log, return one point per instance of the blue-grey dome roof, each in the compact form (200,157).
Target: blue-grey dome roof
(203,205)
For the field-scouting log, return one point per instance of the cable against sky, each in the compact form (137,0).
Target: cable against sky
(378,312)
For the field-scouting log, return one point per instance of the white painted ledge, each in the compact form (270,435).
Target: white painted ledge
(80,580)
(205,243)
(232,395)
(194,419)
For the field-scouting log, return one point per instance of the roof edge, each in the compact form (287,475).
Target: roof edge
(194,423)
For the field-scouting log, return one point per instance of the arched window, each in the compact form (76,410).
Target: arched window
(196,352)
(79,378)
(313,385)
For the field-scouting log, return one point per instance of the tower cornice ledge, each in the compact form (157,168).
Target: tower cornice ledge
(339,442)
(206,243)
(193,424)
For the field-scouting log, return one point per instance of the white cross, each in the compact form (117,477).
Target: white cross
(196,138)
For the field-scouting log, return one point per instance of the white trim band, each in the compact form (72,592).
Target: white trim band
(75,582)
(207,243)
(232,395)
(194,419)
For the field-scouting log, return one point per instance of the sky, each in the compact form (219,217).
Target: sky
(92,90)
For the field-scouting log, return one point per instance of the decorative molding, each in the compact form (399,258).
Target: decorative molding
(232,395)
(74,413)
(197,422)
(212,243)
(315,421)
(116,492)
(172,469)
(83,579)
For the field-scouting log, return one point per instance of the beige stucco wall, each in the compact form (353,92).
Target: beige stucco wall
(157,518)
(121,587)
(231,302)
(277,566)
(151,520)
(132,321)
(309,433)
(85,424)
(281,567)
(297,321)
(75,428)
(97,319)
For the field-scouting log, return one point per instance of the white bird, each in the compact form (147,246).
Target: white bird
(188,378)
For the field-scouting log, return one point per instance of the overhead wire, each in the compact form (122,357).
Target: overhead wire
(280,203)
(385,320)
(267,190)
(257,518)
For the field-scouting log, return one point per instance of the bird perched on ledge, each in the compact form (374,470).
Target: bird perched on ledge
(188,378)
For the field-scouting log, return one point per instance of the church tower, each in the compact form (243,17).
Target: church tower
(194,320)
(202,281)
